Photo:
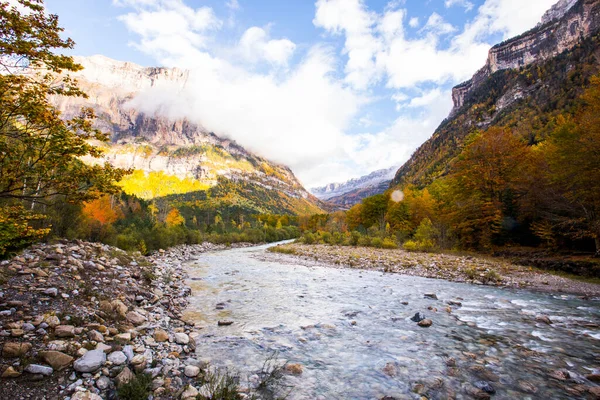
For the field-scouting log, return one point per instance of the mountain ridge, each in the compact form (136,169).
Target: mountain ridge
(154,143)
(354,190)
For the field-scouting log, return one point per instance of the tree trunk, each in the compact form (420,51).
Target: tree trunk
(597,239)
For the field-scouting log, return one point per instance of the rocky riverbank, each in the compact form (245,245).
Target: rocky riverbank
(84,321)
(456,268)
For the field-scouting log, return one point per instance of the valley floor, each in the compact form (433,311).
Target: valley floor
(456,268)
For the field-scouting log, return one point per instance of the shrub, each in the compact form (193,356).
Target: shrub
(377,242)
(364,241)
(221,385)
(389,243)
(309,238)
(137,389)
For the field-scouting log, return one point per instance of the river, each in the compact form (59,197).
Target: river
(351,330)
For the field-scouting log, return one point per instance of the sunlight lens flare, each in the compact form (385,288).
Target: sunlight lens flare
(397,196)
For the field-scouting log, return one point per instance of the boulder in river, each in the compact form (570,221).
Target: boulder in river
(418,317)
(426,323)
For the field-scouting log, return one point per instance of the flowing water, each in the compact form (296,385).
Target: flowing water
(351,330)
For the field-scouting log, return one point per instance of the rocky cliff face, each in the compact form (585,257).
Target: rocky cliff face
(561,29)
(157,143)
(351,192)
(526,82)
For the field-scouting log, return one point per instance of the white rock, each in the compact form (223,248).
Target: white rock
(191,371)
(39,369)
(92,361)
(117,358)
(181,338)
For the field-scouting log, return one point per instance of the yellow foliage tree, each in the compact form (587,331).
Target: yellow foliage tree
(174,218)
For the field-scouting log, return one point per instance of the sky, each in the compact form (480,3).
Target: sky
(335,89)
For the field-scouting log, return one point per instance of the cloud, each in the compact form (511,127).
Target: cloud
(467,5)
(438,26)
(293,105)
(351,18)
(255,46)
(233,5)
(169,29)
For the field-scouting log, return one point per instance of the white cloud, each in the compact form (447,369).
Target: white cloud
(233,5)
(467,5)
(437,25)
(299,114)
(255,46)
(170,29)
(352,18)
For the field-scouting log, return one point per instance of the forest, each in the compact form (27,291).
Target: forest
(502,190)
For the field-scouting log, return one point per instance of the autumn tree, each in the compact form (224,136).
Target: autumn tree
(484,180)
(40,153)
(572,203)
(373,211)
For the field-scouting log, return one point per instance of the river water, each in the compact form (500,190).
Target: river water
(351,330)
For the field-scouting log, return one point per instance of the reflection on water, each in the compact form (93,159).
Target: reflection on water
(352,332)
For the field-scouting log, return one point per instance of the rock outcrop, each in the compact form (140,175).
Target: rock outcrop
(538,73)
(562,28)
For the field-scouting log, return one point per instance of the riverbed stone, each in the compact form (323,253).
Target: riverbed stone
(91,361)
(160,336)
(117,358)
(135,318)
(15,349)
(64,331)
(426,323)
(181,338)
(103,383)
(39,369)
(56,359)
(191,371)
(10,372)
(485,386)
(95,336)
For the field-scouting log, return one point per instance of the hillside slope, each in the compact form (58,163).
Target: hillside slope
(172,156)
(538,73)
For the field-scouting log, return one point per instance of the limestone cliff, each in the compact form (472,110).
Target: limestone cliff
(561,29)
(525,83)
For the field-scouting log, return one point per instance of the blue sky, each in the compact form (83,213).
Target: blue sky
(333,88)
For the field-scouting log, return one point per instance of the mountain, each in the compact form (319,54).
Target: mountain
(541,72)
(353,191)
(173,156)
